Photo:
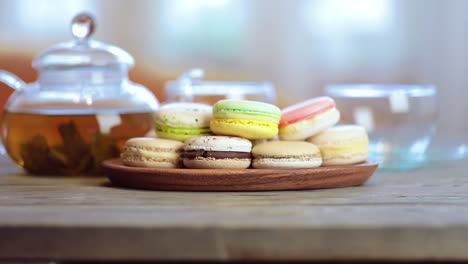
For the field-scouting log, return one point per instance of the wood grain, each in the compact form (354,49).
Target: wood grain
(417,215)
(239,179)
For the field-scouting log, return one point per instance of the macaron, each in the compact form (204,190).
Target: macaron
(152,152)
(305,119)
(247,119)
(217,152)
(342,145)
(180,121)
(286,154)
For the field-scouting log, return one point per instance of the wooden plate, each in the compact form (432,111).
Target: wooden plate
(239,179)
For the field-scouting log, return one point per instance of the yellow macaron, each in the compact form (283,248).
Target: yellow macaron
(247,119)
(342,145)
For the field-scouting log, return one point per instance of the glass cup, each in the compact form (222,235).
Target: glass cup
(190,87)
(400,120)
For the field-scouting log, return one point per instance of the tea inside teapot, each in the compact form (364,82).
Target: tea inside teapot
(55,143)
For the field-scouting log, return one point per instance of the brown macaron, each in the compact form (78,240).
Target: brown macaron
(217,152)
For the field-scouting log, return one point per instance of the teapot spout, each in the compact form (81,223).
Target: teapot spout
(11,80)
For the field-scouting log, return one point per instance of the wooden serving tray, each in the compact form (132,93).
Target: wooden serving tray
(238,179)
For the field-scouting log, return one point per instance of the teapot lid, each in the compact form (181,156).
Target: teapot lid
(83,51)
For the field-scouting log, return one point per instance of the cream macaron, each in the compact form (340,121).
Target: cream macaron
(342,145)
(286,154)
(152,152)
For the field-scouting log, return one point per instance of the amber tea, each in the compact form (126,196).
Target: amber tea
(69,144)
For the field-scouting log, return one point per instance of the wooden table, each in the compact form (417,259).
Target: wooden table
(418,215)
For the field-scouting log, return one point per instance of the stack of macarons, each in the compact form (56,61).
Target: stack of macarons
(221,136)
(314,121)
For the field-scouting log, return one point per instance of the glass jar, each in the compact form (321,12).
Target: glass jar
(81,109)
(190,87)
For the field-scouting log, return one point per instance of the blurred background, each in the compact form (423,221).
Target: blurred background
(300,46)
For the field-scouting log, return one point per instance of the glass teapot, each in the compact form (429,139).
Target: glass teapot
(81,109)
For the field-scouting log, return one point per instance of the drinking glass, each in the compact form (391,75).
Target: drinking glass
(400,120)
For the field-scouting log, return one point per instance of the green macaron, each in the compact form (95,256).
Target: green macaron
(181,121)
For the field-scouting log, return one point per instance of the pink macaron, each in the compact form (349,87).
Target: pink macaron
(308,118)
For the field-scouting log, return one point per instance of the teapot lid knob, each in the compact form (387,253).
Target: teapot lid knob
(83,51)
(83,26)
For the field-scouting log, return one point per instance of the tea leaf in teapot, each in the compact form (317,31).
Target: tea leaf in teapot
(84,164)
(75,148)
(103,147)
(38,158)
(73,156)
(58,151)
